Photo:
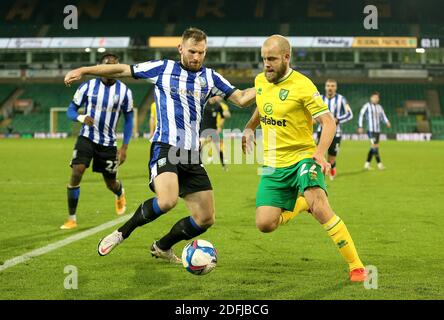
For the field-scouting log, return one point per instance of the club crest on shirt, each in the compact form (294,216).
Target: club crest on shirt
(202,81)
(116,99)
(283,94)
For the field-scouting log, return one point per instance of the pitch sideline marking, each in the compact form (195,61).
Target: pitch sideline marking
(61,243)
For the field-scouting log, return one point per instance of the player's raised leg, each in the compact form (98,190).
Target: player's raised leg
(116,187)
(167,192)
(336,229)
(73,195)
(201,206)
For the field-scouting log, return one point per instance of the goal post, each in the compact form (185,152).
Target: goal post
(59,122)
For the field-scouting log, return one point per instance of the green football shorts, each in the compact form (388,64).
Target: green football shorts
(279,187)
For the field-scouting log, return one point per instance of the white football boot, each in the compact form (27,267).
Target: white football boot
(381,166)
(367,166)
(107,244)
(167,254)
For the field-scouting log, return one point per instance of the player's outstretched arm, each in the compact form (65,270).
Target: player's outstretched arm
(328,132)
(243,98)
(103,70)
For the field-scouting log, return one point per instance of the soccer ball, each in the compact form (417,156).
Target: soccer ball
(199,257)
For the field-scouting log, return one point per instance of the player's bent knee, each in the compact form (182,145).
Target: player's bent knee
(266,226)
(166,204)
(206,222)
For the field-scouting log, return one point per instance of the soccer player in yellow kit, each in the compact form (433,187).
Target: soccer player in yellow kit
(287,101)
(153,119)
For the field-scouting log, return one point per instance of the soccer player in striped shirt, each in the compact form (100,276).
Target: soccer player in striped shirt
(182,89)
(287,101)
(341,111)
(104,99)
(373,112)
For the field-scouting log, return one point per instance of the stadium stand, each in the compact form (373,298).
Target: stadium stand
(136,18)
(393,97)
(142,19)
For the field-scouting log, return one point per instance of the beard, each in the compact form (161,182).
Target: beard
(276,74)
(191,66)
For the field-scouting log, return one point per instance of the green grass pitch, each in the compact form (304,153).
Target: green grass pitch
(395,217)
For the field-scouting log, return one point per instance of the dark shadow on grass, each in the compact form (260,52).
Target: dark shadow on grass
(30,240)
(149,273)
(321,293)
(36,240)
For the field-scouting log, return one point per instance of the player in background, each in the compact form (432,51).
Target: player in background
(287,102)
(373,112)
(211,128)
(341,111)
(104,99)
(182,89)
(153,119)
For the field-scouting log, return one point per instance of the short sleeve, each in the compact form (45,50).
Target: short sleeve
(149,70)
(127,104)
(81,94)
(313,100)
(222,87)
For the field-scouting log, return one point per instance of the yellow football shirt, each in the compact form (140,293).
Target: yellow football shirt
(218,117)
(153,113)
(286,111)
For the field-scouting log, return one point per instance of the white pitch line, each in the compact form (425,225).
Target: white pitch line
(56,245)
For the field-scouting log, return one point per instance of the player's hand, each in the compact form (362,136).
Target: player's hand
(320,160)
(389,125)
(72,76)
(247,138)
(122,155)
(83,118)
(89,121)
(360,130)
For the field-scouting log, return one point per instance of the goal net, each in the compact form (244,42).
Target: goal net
(59,122)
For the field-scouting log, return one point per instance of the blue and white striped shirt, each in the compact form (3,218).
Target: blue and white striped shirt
(103,103)
(180,97)
(374,113)
(338,107)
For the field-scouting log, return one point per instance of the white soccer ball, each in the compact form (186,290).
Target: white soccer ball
(199,257)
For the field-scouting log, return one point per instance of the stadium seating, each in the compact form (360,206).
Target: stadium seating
(437,124)
(5,91)
(393,96)
(232,18)
(46,96)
